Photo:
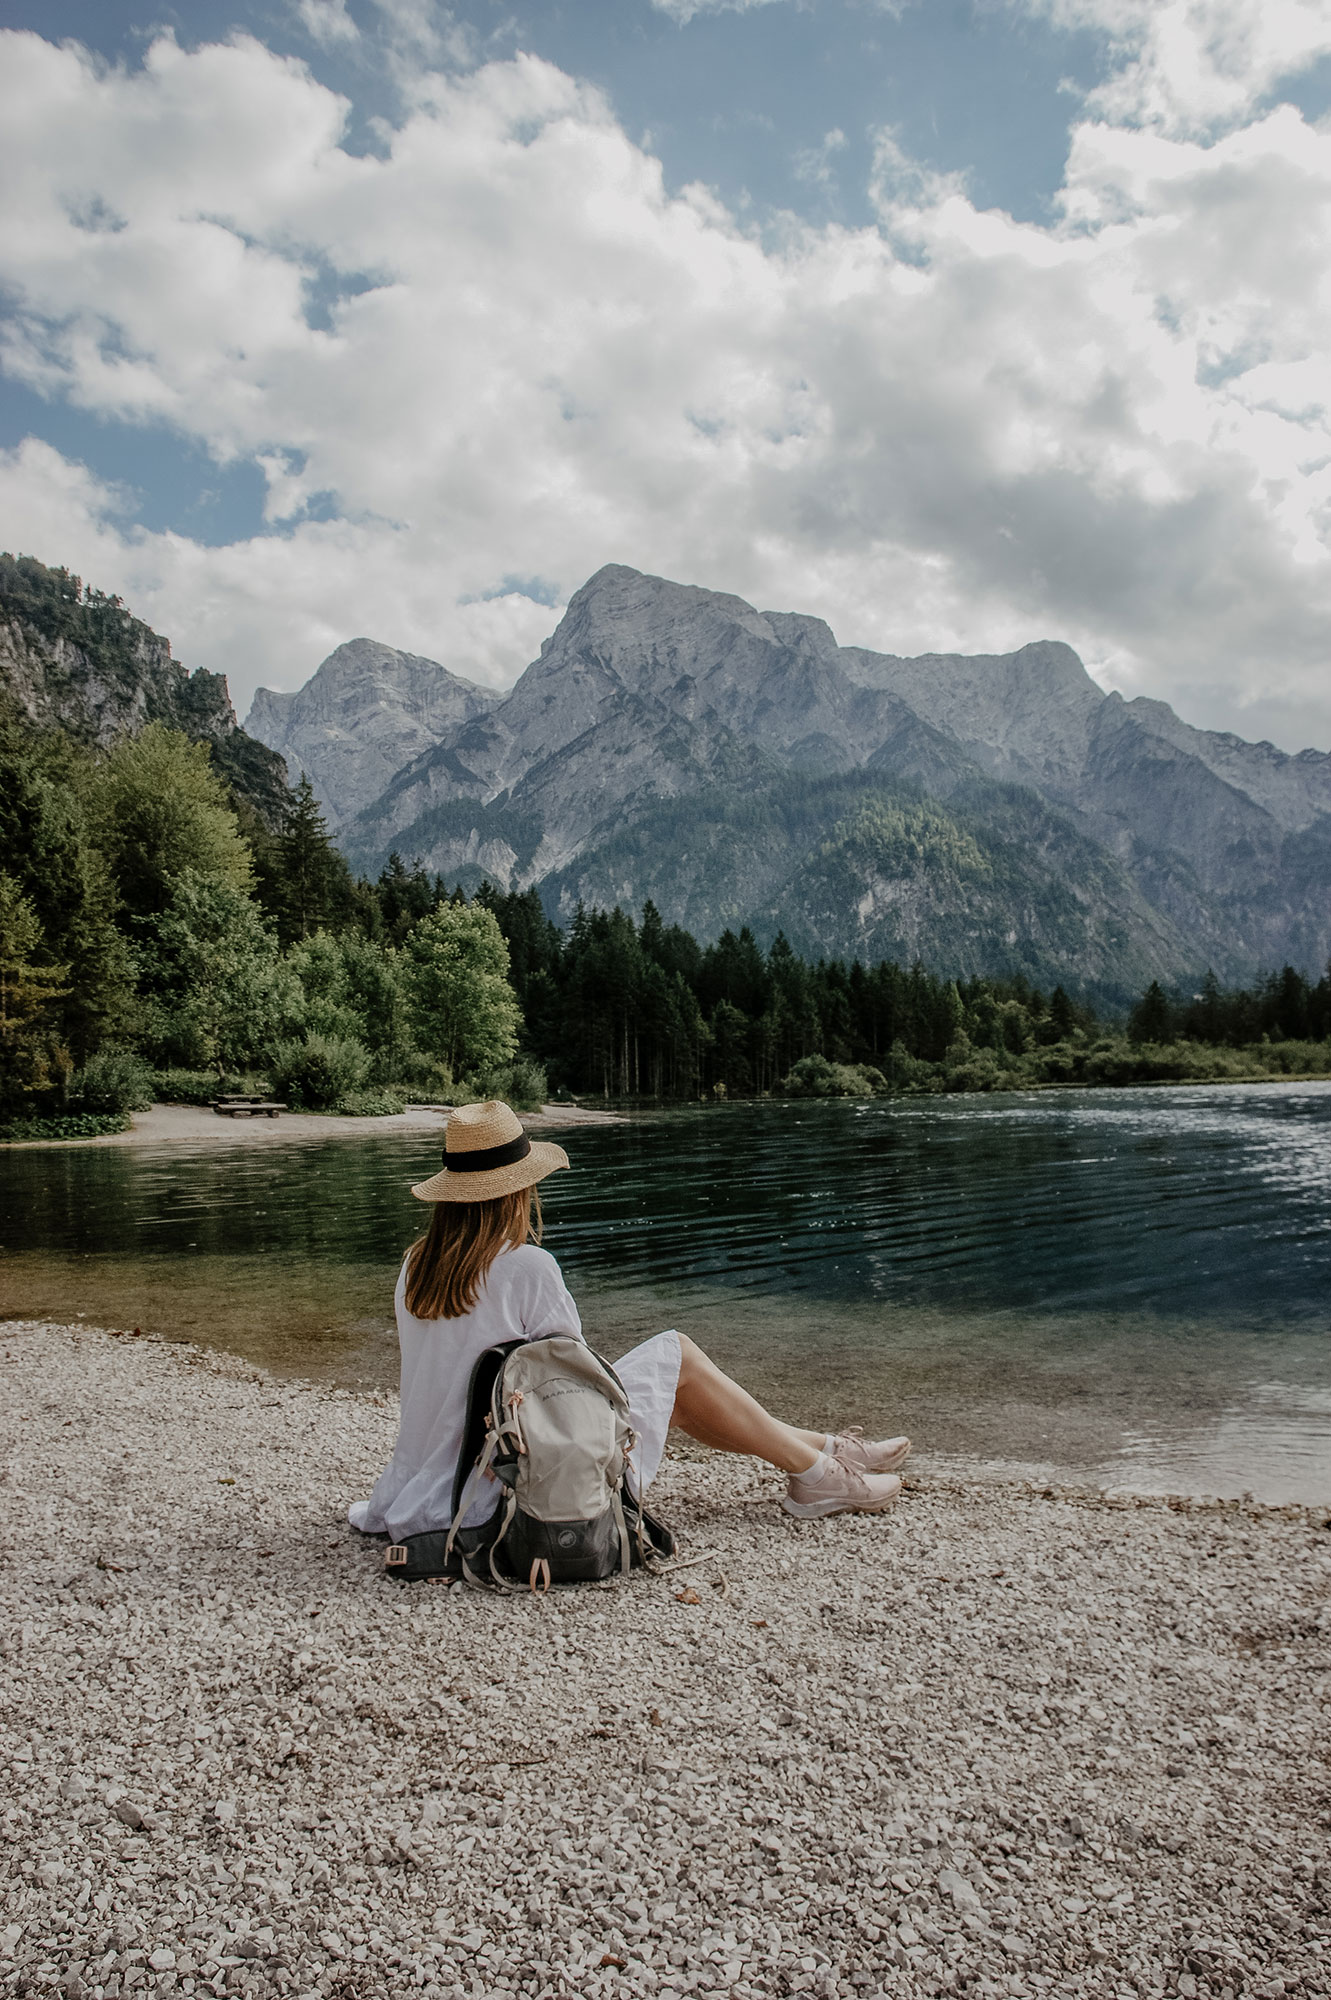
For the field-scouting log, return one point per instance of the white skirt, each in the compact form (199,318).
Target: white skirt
(650,1374)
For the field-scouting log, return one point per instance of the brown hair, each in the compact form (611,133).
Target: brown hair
(447,1266)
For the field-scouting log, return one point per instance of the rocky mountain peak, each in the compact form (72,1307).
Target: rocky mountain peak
(646,630)
(365,712)
(732,763)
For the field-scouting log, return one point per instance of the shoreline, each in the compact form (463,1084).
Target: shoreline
(195,1125)
(188,1124)
(1030,1741)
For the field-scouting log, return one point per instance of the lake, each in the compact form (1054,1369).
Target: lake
(1126,1287)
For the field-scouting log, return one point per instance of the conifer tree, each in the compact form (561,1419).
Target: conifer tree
(1153,1017)
(1062,1015)
(314,882)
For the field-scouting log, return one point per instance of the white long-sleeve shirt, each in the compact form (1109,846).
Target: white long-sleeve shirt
(522,1297)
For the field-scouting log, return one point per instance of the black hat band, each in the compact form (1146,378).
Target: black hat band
(486,1157)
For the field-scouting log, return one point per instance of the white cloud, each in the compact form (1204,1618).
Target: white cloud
(1190,66)
(814,163)
(955,430)
(268,609)
(684,11)
(423,32)
(327,21)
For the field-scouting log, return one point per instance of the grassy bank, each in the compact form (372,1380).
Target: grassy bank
(1105,1061)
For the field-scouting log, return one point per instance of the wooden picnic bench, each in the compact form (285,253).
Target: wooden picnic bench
(242,1107)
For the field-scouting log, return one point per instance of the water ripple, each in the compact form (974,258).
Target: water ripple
(1137,1280)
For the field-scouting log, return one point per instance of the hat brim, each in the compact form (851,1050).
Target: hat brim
(544,1158)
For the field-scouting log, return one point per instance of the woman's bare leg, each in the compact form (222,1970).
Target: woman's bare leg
(717,1412)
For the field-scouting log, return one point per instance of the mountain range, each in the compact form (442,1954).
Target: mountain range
(990,813)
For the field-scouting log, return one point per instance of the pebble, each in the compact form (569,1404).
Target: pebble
(923,1754)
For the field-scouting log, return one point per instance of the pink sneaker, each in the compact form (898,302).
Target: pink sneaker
(863,1455)
(841,1490)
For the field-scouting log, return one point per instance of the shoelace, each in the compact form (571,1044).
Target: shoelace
(849,1473)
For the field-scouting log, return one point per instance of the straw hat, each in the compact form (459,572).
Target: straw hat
(487,1153)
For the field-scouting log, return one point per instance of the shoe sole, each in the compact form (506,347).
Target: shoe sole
(813,1510)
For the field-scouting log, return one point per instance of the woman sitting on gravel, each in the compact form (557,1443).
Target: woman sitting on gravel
(477,1277)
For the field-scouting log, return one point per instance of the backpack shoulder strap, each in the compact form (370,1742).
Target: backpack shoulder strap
(608,1369)
(479,1390)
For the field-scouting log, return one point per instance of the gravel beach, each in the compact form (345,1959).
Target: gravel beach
(1003,1740)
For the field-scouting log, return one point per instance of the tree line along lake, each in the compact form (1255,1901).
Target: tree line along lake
(1128,1287)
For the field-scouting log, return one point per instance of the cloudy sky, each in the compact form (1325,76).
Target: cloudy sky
(958,322)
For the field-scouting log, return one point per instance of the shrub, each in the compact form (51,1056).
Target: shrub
(83,1125)
(520,1084)
(966,1068)
(421,1078)
(113,1080)
(815,1076)
(1060,1062)
(201,1086)
(315,1073)
(369,1104)
(1296,1058)
(1112,1060)
(910,1073)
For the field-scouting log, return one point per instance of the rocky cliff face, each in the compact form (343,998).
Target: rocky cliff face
(989,812)
(366,712)
(78,661)
(648,691)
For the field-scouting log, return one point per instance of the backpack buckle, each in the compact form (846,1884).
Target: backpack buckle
(397,1556)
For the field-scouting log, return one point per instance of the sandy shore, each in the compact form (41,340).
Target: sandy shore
(192,1125)
(1001,1743)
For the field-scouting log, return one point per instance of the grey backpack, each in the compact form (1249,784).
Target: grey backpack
(549,1420)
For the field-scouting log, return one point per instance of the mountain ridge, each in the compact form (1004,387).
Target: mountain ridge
(647,748)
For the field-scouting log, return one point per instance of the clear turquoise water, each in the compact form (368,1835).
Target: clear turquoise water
(1131,1286)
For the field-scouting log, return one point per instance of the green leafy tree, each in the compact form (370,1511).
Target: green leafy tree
(815,1076)
(159,813)
(46,849)
(455,972)
(224,991)
(353,988)
(319,963)
(375,989)
(32,1057)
